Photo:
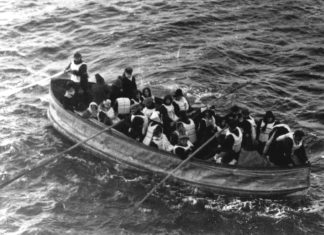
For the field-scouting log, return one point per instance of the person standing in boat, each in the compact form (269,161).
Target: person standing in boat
(288,150)
(248,127)
(263,129)
(78,70)
(180,100)
(231,146)
(128,83)
(169,111)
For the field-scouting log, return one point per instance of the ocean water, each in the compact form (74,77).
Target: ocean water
(200,46)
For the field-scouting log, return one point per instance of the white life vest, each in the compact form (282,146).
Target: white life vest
(171,112)
(148,112)
(237,139)
(162,143)
(191,131)
(145,123)
(75,67)
(124,105)
(264,135)
(149,133)
(183,104)
(186,148)
(282,125)
(290,135)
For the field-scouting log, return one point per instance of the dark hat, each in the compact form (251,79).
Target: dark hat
(129,70)
(178,92)
(299,133)
(99,78)
(77,54)
(269,114)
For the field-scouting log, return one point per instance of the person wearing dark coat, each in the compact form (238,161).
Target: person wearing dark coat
(100,91)
(69,98)
(128,83)
(285,147)
(136,127)
(169,111)
(248,126)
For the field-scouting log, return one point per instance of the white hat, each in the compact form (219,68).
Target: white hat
(155,116)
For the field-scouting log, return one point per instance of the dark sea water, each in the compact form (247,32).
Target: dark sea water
(201,46)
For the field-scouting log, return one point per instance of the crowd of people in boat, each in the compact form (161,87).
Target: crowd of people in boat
(172,125)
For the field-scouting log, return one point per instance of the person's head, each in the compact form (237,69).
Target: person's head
(298,136)
(93,107)
(77,57)
(245,113)
(236,112)
(128,72)
(137,123)
(106,104)
(268,117)
(158,131)
(208,114)
(167,100)
(178,94)
(146,92)
(183,140)
(232,124)
(99,79)
(138,94)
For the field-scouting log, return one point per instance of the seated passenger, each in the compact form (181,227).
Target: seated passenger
(278,130)
(160,141)
(183,148)
(235,112)
(231,147)
(155,121)
(136,112)
(180,131)
(92,111)
(106,113)
(146,93)
(149,107)
(264,128)
(168,112)
(137,99)
(181,101)
(206,127)
(69,101)
(135,130)
(285,147)
(248,127)
(100,91)
(189,125)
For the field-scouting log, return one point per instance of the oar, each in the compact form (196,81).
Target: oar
(14,91)
(47,161)
(168,175)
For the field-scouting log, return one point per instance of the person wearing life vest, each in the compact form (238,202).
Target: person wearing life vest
(78,70)
(180,131)
(206,127)
(91,112)
(69,101)
(149,107)
(189,126)
(277,130)
(288,150)
(135,130)
(169,111)
(106,113)
(160,141)
(180,100)
(154,121)
(100,91)
(128,83)
(231,146)
(263,129)
(147,94)
(183,148)
(137,98)
(248,127)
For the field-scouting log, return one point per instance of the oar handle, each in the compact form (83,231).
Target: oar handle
(47,161)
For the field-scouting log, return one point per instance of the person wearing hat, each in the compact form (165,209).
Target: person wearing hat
(128,83)
(78,70)
(154,121)
(100,91)
(69,101)
(160,141)
(183,148)
(288,150)
(92,111)
(180,100)
(263,129)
